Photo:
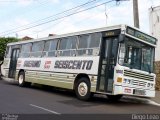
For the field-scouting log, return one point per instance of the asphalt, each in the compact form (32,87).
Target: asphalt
(157,97)
(49,100)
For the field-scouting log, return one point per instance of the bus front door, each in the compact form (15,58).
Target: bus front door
(13,62)
(107,63)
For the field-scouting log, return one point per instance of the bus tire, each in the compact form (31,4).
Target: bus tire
(82,89)
(21,80)
(114,98)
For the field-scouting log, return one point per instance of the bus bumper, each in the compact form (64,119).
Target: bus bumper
(133,91)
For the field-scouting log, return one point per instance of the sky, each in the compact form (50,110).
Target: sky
(18,18)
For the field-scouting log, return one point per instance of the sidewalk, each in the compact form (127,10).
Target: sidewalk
(157,97)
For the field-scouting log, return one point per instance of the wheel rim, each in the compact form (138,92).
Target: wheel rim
(20,79)
(82,89)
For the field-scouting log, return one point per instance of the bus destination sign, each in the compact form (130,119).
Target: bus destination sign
(111,33)
(140,35)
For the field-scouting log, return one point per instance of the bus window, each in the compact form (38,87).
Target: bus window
(7,53)
(89,44)
(50,48)
(46,48)
(96,37)
(53,48)
(147,58)
(25,50)
(37,49)
(67,46)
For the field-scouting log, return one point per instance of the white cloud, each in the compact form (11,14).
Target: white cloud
(122,14)
(55,1)
(21,21)
(25,2)
(17,22)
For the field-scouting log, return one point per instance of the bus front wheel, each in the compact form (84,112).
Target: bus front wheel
(82,89)
(21,80)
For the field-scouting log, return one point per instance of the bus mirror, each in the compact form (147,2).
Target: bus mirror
(121,37)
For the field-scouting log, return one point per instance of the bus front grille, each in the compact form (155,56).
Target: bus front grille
(137,75)
(139,83)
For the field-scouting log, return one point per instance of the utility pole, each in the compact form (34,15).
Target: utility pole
(136,13)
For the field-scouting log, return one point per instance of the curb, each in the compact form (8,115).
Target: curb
(157,97)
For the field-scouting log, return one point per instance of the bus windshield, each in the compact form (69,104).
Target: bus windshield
(136,55)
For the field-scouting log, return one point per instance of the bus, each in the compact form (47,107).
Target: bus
(115,61)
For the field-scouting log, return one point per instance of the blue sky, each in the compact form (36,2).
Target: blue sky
(16,13)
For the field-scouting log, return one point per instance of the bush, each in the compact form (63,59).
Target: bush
(3,43)
(157,72)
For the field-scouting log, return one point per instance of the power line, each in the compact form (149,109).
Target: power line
(64,26)
(61,17)
(49,16)
(56,23)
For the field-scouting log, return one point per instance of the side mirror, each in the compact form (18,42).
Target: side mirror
(112,61)
(121,37)
(125,60)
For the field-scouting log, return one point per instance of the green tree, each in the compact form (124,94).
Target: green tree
(3,43)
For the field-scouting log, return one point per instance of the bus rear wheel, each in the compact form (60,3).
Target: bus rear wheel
(82,89)
(21,80)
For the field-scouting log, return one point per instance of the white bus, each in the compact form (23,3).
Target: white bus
(115,61)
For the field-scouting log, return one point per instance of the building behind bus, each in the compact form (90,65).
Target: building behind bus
(154,17)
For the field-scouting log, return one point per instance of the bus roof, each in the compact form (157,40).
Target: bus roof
(121,26)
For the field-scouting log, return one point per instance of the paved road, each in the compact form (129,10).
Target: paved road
(37,100)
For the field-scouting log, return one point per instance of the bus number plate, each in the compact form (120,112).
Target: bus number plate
(139,92)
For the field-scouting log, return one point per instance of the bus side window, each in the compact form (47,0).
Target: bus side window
(37,49)
(67,46)
(25,50)
(50,48)
(89,44)
(46,48)
(7,52)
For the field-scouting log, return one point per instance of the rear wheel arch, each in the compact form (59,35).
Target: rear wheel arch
(82,87)
(81,75)
(21,75)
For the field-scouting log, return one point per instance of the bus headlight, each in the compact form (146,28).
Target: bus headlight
(127,81)
(151,85)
